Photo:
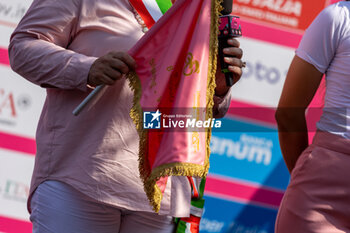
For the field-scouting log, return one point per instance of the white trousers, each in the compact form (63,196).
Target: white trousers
(59,208)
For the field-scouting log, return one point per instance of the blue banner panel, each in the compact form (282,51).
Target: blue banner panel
(248,152)
(222,216)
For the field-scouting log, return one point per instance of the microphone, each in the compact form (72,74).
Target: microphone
(92,97)
(229,27)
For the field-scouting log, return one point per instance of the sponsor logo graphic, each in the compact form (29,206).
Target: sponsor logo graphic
(249,148)
(11,106)
(262,72)
(289,14)
(14,190)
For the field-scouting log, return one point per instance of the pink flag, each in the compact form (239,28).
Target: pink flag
(174,82)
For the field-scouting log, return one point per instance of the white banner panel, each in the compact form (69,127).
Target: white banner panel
(15,174)
(263,78)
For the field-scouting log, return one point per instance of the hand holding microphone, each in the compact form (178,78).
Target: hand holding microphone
(229,52)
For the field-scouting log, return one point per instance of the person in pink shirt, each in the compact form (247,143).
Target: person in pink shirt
(86,176)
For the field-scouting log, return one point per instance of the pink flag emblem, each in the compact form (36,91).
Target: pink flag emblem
(175,81)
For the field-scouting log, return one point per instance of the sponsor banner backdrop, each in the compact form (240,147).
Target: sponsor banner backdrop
(247,175)
(20,106)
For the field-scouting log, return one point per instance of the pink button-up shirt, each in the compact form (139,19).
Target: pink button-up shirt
(96,152)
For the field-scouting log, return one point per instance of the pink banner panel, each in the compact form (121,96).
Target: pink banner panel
(17,143)
(4,59)
(244,191)
(10,225)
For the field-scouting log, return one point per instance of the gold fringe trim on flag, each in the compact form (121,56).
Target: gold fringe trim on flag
(136,115)
(172,169)
(149,177)
(216,8)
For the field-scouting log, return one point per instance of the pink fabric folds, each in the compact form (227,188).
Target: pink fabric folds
(174,82)
(317,198)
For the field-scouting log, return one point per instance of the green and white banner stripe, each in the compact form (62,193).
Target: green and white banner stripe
(157,8)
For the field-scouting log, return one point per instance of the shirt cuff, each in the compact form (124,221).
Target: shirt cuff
(77,72)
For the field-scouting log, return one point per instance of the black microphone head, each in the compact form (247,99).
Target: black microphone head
(227,5)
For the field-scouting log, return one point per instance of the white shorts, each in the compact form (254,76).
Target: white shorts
(59,208)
